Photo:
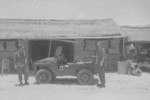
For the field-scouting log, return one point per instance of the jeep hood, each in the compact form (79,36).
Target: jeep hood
(46,60)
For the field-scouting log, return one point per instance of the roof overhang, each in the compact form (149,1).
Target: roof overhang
(61,38)
(141,41)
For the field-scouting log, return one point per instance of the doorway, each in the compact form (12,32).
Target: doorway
(38,49)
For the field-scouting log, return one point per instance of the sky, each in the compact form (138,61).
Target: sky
(124,12)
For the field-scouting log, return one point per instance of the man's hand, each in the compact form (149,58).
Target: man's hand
(95,62)
(94,59)
(26,61)
(94,56)
(15,66)
(101,64)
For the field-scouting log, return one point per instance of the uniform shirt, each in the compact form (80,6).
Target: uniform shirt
(131,51)
(20,57)
(99,55)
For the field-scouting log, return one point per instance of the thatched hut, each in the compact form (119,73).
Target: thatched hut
(78,37)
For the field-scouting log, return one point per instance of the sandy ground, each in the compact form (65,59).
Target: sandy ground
(119,87)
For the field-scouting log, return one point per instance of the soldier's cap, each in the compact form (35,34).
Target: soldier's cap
(20,46)
(99,43)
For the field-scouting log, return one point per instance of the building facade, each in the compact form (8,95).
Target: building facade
(78,37)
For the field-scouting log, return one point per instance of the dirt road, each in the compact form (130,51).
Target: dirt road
(119,87)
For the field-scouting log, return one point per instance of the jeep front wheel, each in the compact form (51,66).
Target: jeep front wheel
(85,77)
(43,76)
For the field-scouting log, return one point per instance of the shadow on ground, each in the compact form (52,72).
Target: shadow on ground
(69,81)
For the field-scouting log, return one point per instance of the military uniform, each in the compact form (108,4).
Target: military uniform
(20,64)
(100,55)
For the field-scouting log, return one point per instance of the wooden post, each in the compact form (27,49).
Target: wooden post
(49,54)
(123,46)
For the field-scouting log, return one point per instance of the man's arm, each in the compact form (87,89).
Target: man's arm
(96,58)
(15,60)
(25,57)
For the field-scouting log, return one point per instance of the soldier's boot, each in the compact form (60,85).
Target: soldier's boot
(26,83)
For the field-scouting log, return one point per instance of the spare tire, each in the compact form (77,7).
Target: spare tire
(43,76)
(85,77)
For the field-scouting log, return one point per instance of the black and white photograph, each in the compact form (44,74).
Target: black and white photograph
(74,49)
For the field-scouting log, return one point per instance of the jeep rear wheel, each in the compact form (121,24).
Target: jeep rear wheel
(43,76)
(85,77)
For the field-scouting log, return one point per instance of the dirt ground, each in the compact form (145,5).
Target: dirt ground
(118,87)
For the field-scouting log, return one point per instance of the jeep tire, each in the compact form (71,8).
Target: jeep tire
(85,77)
(43,76)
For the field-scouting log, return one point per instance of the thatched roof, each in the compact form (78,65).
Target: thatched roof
(138,34)
(19,28)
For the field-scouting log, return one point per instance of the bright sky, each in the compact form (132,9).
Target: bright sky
(124,12)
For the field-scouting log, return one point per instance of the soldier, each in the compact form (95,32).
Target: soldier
(100,59)
(20,64)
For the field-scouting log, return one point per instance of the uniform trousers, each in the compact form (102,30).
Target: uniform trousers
(22,71)
(101,73)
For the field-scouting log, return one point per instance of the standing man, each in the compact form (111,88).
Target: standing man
(100,59)
(131,51)
(21,64)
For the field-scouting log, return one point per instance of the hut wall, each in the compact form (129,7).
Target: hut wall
(10,51)
(113,50)
(112,47)
(79,50)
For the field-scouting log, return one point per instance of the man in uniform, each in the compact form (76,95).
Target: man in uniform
(100,59)
(20,64)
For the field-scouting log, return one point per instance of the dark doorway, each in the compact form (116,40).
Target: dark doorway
(38,49)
